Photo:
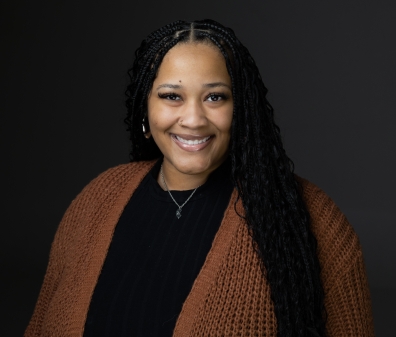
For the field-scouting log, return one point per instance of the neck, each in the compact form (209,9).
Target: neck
(179,181)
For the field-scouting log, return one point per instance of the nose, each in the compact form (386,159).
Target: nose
(193,115)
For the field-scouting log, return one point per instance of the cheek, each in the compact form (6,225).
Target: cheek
(154,115)
(160,119)
(224,122)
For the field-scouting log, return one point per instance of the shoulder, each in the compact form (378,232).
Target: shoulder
(97,199)
(106,188)
(338,243)
(120,174)
(114,178)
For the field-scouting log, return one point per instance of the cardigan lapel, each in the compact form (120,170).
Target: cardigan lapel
(207,276)
(101,234)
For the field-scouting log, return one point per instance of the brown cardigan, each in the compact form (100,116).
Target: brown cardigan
(230,296)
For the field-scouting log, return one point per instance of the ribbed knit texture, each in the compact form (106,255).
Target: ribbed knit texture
(230,296)
(154,257)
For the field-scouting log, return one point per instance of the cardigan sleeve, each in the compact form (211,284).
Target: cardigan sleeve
(54,270)
(347,295)
(348,303)
(62,249)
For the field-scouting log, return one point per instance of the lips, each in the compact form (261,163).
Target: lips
(191,143)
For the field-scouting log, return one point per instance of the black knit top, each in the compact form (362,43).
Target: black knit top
(154,257)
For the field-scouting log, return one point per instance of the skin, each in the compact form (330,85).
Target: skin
(191,100)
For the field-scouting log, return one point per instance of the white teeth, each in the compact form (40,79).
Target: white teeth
(192,142)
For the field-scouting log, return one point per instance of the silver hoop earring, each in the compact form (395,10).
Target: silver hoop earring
(146,134)
(144,125)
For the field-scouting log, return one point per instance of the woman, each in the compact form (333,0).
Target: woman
(207,232)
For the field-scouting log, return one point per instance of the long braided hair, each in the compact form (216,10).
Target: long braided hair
(262,173)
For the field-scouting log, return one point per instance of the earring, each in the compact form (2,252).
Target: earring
(147,134)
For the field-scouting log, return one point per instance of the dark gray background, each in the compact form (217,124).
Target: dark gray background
(330,70)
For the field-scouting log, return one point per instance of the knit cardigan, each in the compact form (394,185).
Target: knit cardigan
(230,296)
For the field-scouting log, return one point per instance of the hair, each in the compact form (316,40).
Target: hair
(262,173)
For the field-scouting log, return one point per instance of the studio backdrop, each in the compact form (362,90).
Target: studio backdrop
(331,74)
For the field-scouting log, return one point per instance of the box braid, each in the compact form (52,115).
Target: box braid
(275,212)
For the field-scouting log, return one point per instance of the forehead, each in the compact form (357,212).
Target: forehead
(193,60)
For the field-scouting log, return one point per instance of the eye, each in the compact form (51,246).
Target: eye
(169,96)
(215,97)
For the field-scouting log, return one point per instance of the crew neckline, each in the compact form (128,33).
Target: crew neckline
(217,179)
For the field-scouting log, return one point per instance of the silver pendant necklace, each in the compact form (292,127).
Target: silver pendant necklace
(179,210)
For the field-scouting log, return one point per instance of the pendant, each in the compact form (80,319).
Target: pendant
(178,213)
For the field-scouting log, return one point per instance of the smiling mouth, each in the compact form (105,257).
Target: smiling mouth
(192,141)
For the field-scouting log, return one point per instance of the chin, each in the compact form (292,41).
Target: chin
(194,166)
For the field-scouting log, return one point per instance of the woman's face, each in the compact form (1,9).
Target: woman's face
(190,110)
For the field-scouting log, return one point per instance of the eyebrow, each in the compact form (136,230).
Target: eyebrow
(216,85)
(168,85)
(207,85)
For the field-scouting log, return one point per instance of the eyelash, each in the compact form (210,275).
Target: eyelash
(172,94)
(220,95)
(168,95)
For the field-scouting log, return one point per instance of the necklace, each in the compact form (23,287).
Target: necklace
(179,210)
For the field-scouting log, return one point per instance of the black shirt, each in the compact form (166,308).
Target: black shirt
(154,257)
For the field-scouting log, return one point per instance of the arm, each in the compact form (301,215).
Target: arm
(348,303)
(53,273)
(347,295)
(63,248)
